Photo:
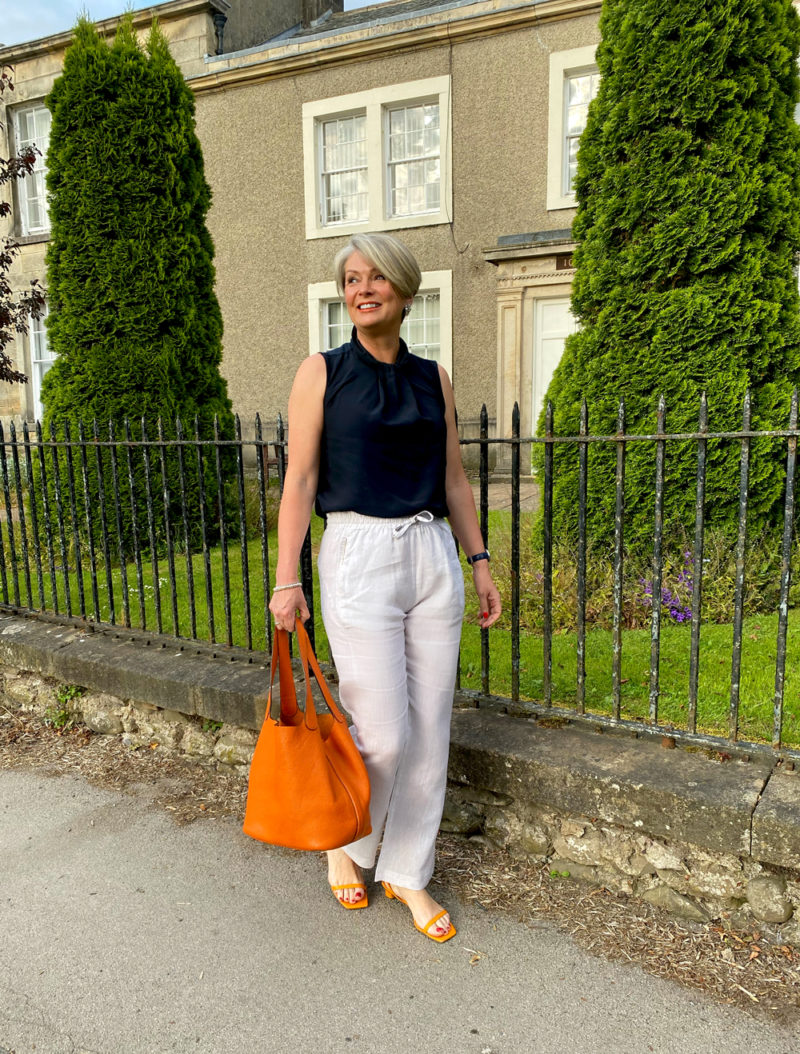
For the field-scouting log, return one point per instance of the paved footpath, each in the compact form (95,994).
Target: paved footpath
(123,933)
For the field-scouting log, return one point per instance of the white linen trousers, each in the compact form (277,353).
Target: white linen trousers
(392,599)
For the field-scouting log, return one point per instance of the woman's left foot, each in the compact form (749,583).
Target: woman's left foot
(430,918)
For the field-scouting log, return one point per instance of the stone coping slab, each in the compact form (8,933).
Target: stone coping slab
(744,808)
(669,794)
(218,685)
(776,824)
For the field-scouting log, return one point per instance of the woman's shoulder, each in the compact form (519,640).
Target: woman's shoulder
(427,369)
(311,367)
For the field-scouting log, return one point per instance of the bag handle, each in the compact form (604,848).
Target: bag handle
(281,661)
(309,659)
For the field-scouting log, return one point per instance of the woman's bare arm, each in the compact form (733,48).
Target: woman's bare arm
(462,515)
(300,485)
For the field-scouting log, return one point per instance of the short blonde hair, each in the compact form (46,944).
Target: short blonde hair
(388,254)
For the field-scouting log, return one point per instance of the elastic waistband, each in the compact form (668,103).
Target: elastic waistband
(398,524)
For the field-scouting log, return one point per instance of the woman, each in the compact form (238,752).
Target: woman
(373,440)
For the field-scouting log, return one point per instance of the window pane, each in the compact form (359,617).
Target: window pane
(33,129)
(337,324)
(576,119)
(580,89)
(421,329)
(413,149)
(42,359)
(344,169)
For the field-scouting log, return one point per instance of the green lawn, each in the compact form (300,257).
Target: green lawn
(757,685)
(758,659)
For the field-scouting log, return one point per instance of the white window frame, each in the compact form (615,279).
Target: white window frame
(375,103)
(563,64)
(320,152)
(41,160)
(441,282)
(36,325)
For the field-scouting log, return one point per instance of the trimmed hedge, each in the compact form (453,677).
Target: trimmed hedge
(134,319)
(687,232)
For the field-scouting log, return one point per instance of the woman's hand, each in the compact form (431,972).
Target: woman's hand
(488,594)
(285,605)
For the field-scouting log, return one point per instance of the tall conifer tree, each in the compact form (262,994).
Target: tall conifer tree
(134,320)
(687,231)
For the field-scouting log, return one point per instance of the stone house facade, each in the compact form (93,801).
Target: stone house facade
(453,123)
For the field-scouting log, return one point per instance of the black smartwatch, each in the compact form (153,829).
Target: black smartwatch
(478,556)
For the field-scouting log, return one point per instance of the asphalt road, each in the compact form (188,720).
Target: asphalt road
(123,933)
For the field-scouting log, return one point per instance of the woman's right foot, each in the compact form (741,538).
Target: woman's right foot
(344,872)
(424,908)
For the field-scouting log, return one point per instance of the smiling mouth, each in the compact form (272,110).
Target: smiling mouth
(367,307)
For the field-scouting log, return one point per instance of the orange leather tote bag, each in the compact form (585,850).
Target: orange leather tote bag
(308,788)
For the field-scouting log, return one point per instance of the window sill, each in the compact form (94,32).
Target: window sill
(33,239)
(396,223)
(565,202)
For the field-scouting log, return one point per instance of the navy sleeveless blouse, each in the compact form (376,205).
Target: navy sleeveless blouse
(384,437)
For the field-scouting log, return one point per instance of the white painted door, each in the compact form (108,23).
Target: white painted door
(552,324)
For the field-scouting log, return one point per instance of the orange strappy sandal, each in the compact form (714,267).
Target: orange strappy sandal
(350,905)
(438,937)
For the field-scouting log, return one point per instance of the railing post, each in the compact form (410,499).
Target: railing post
(248,627)
(12,545)
(619,514)
(31,481)
(23,530)
(786,576)
(179,437)
(101,505)
(515,554)
(697,565)
(741,551)
(658,531)
(484,524)
(223,534)
(121,551)
(201,497)
(262,470)
(583,474)
(547,568)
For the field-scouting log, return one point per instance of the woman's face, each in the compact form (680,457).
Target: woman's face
(372,302)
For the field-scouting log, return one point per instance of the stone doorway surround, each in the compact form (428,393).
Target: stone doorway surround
(530,267)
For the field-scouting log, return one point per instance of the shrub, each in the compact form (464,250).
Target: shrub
(134,320)
(762,582)
(687,232)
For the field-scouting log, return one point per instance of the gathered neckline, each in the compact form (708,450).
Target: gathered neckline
(361,351)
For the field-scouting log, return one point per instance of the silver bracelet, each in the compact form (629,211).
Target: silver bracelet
(291,585)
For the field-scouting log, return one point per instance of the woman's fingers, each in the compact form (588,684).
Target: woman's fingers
(286,605)
(490,606)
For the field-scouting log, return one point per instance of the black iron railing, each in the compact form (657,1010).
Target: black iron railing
(620,440)
(172,535)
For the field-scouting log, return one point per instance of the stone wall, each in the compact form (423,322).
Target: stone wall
(702,837)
